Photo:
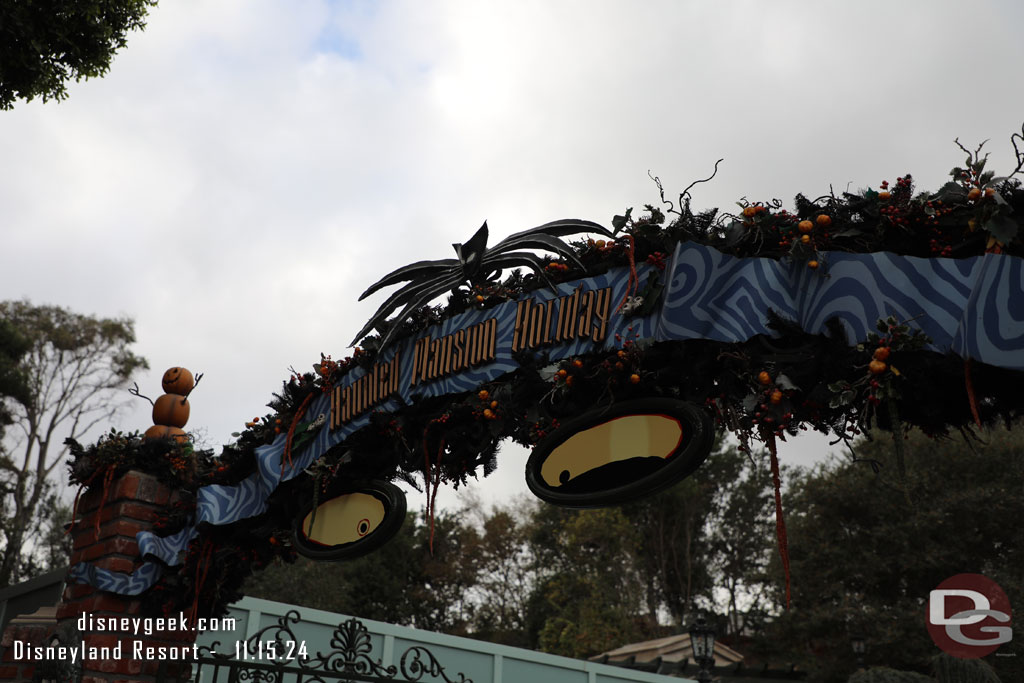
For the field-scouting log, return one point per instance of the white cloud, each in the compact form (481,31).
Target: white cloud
(246,169)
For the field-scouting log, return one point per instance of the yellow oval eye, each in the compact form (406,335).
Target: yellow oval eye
(622,438)
(344,519)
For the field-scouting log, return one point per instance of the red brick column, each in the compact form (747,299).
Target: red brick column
(33,634)
(112,653)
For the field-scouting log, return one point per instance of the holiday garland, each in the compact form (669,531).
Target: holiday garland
(765,388)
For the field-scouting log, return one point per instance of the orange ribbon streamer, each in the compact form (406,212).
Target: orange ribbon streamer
(287,457)
(970,392)
(633,281)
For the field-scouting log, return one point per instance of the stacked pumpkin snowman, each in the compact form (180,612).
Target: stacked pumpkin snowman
(171,410)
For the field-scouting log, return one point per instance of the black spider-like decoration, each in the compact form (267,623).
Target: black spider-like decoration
(476,264)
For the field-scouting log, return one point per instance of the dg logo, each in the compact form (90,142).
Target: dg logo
(969,616)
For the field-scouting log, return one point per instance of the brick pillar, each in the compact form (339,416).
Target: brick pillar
(31,630)
(131,505)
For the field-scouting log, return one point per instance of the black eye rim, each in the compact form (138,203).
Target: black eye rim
(363,526)
(697,442)
(395,507)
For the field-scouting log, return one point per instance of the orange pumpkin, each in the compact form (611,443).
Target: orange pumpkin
(177,381)
(165,432)
(171,410)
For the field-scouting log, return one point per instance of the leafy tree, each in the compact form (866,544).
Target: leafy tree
(51,546)
(864,559)
(399,583)
(712,531)
(590,590)
(507,574)
(71,369)
(12,381)
(45,43)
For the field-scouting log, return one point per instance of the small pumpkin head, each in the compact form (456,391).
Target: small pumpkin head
(177,381)
(164,432)
(171,410)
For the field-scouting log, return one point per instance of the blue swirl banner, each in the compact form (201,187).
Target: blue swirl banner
(970,307)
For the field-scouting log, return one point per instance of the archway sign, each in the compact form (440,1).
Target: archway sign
(616,354)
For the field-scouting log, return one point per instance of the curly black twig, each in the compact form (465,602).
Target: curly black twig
(134,391)
(199,376)
(684,196)
(686,193)
(1016,151)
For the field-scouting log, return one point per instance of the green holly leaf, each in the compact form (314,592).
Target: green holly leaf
(951,192)
(620,222)
(734,232)
(784,382)
(1002,227)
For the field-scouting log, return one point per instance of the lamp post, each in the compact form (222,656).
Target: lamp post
(859,645)
(702,640)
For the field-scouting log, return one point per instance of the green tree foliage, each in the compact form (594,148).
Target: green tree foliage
(45,43)
(13,384)
(590,589)
(400,583)
(864,559)
(72,369)
(506,572)
(713,531)
(570,582)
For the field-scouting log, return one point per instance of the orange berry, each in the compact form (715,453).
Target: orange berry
(480,298)
(806,239)
(884,196)
(483,394)
(577,363)
(812,265)
(877,367)
(562,373)
(634,378)
(823,220)
(989,192)
(776,396)
(881,353)
(805,226)
(568,380)
(749,211)
(600,244)
(974,194)
(494,404)
(488,413)
(764,378)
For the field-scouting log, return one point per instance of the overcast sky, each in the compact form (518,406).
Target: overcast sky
(248,167)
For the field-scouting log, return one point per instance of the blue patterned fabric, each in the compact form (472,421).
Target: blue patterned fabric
(135,583)
(972,307)
(225,504)
(168,549)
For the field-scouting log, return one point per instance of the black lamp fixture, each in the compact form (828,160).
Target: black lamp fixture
(702,640)
(859,645)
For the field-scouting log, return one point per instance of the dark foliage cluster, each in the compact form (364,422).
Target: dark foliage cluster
(46,43)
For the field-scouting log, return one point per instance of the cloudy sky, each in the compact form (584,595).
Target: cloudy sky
(248,167)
